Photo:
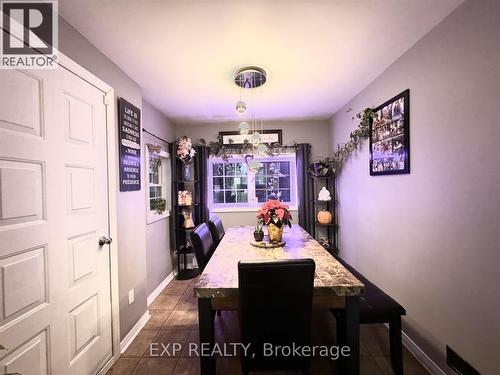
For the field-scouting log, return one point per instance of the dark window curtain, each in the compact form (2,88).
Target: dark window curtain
(302,155)
(202,164)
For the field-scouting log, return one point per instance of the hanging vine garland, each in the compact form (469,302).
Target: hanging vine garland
(332,164)
(224,151)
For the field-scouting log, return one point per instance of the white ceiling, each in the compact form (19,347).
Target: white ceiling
(319,54)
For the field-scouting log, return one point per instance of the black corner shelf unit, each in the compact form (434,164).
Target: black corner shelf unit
(179,236)
(325,231)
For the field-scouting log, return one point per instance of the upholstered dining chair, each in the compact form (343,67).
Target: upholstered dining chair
(217,229)
(275,308)
(203,244)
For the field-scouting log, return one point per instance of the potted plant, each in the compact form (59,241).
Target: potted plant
(258,233)
(275,215)
(323,167)
(185,153)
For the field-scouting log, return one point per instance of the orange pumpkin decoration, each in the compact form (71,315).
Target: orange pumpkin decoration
(324,217)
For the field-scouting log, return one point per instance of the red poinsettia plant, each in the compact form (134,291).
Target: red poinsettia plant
(275,212)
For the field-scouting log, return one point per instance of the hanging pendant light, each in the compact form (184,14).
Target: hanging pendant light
(255,139)
(241,107)
(244,128)
(261,149)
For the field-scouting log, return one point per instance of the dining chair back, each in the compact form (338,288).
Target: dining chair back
(217,229)
(203,244)
(275,303)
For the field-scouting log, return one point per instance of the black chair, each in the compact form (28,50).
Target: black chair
(217,229)
(275,308)
(377,307)
(203,245)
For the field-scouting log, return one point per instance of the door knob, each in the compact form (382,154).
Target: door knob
(105,240)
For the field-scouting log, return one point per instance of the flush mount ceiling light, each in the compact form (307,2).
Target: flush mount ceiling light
(250,76)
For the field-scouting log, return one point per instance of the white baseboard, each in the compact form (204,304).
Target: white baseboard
(124,344)
(420,355)
(160,288)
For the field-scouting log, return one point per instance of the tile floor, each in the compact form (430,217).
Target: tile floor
(174,319)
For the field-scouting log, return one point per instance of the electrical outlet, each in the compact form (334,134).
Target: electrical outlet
(131,296)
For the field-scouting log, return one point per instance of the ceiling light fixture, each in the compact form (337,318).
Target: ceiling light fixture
(244,128)
(241,107)
(251,77)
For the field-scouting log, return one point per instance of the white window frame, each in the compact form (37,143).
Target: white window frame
(165,183)
(252,203)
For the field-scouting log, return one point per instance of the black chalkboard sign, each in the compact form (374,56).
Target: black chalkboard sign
(129,122)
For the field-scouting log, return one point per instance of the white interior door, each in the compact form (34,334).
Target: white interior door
(55,311)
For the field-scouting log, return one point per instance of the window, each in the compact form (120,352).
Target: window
(158,187)
(230,182)
(233,186)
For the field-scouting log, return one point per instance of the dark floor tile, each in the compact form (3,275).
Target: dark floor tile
(187,301)
(165,302)
(368,366)
(158,319)
(375,339)
(124,366)
(229,366)
(188,366)
(140,343)
(321,366)
(175,312)
(163,344)
(410,365)
(192,346)
(181,319)
(156,366)
(177,287)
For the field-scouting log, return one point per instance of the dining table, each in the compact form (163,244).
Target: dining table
(334,286)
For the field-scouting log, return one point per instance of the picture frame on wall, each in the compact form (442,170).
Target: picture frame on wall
(390,137)
(235,139)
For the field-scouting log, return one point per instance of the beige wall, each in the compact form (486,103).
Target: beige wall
(431,238)
(315,132)
(158,253)
(131,205)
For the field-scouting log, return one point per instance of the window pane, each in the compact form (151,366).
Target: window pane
(218,197)
(284,182)
(229,183)
(242,196)
(285,195)
(241,182)
(273,194)
(272,182)
(229,169)
(218,183)
(260,180)
(152,204)
(272,168)
(285,167)
(261,195)
(230,197)
(218,169)
(152,192)
(241,169)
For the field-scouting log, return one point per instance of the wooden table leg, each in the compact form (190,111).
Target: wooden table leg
(206,329)
(351,333)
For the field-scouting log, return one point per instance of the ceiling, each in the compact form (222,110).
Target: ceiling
(318,54)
